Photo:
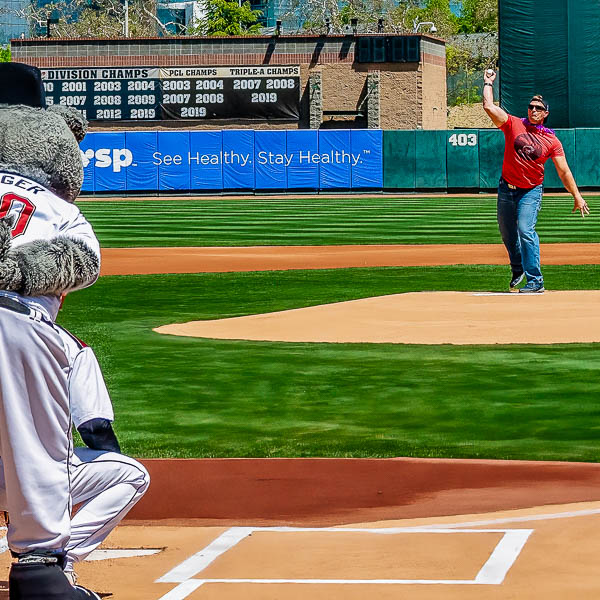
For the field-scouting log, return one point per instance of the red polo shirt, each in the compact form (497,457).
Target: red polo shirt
(526,149)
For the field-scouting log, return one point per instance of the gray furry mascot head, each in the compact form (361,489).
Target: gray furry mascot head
(42,144)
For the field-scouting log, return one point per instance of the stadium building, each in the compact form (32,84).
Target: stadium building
(12,25)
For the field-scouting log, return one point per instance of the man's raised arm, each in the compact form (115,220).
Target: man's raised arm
(495,113)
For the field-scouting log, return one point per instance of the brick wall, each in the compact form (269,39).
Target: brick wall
(412,94)
(400,96)
(434,107)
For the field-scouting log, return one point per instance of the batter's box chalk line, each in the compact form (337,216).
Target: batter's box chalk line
(492,572)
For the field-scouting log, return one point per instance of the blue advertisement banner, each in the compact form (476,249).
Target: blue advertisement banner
(368,144)
(110,149)
(238,159)
(335,159)
(88,157)
(144,176)
(232,160)
(302,174)
(270,149)
(205,160)
(174,160)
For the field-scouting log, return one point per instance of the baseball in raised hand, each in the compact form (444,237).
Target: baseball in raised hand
(489,76)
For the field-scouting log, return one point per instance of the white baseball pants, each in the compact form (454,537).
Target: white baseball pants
(35,439)
(106,485)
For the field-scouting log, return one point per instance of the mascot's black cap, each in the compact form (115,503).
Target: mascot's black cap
(21,84)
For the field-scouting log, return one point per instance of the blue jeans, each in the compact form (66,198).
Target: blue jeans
(517,215)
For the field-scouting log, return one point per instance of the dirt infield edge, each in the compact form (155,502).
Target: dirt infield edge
(325,492)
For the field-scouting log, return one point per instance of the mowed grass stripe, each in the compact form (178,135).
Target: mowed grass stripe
(233,206)
(232,222)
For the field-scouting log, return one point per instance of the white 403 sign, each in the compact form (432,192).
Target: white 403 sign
(463,139)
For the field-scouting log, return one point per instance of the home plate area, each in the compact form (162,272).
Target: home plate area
(548,552)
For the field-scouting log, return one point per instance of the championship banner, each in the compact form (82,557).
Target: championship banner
(262,92)
(152,93)
(106,93)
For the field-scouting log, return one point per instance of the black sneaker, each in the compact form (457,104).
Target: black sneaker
(85,594)
(515,281)
(44,581)
(540,289)
(39,581)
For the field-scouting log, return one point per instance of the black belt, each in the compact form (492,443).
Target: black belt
(510,185)
(14,305)
(515,187)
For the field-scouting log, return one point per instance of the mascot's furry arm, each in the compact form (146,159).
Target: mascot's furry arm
(45,267)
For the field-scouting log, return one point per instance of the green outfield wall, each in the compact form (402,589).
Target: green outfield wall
(471,159)
(560,33)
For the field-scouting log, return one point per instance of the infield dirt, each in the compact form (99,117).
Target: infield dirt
(146,261)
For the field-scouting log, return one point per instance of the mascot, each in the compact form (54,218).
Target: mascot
(47,248)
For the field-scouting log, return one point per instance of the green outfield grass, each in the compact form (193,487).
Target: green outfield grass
(184,397)
(321,221)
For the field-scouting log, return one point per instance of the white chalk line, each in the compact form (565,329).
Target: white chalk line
(112,553)
(492,572)
(199,561)
(522,519)
(183,590)
(181,587)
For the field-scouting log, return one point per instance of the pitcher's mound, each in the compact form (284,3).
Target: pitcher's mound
(420,318)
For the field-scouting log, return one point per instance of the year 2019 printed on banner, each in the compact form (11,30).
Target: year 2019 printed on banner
(153,93)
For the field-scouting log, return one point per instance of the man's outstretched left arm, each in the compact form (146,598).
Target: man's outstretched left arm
(564,172)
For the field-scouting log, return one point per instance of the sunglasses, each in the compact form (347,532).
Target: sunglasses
(537,107)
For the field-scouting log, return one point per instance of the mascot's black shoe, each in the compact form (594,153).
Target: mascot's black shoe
(85,594)
(43,581)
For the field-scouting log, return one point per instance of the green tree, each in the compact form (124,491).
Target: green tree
(478,16)
(226,17)
(461,58)
(409,12)
(95,18)
(464,69)
(367,12)
(5,53)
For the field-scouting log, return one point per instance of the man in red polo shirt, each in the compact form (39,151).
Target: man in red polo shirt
(528,145)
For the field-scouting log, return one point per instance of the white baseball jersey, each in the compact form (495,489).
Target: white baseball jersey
(41,215)
(88,396)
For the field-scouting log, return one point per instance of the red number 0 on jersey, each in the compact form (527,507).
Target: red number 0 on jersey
(25,213)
